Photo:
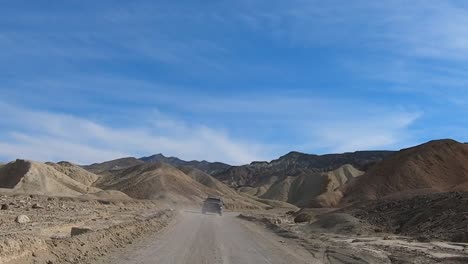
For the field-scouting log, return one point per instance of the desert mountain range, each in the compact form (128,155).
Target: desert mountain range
(205,166)
(295,179)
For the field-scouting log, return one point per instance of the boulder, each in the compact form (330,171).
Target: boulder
(22,219)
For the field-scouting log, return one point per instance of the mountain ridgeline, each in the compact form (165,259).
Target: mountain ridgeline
(295,163)
(295,178)
(205,166)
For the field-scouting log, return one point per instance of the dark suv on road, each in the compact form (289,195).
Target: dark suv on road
(213,205)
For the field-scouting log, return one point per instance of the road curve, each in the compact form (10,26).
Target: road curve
(210,239)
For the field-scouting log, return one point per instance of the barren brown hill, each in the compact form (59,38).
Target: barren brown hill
(231,198)
(163,182)
(37,178)
(436,166)
(30,177)
(207,180)
(157,181)
(75,172)
(303,188)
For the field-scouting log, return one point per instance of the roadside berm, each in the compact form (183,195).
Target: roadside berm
(96,228)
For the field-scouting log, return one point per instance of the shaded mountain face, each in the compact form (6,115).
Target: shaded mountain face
(436,166)
(205,166)
(299,178)
(303,189)
(117,164)
(296,163)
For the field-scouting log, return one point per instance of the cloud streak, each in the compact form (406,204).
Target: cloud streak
(422,28)
(388,130)
(42,135)
(50,136)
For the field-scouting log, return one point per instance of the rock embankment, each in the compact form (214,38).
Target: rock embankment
(48,234)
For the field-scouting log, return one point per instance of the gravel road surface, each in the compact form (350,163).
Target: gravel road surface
(198,239)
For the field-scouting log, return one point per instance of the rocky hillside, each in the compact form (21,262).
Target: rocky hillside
(436,166)
(184,186)
(158,181)
(205,166)
(75,172)
(295,163)
(438,216)
(302,188)
(295,178)
(37,178)
(29,177)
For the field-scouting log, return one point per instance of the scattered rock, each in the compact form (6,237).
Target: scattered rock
(37,206)
(104,202)
(75,231)
(22,219)
(277,221)
(5,207)
(303,217)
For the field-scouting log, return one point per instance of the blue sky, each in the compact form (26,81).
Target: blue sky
(231,81)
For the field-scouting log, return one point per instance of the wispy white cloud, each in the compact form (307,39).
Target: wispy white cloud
(385,131)
(41,135)
(46,136)
(425,28)
(432,29)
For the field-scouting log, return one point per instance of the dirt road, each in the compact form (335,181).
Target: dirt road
(210,239)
